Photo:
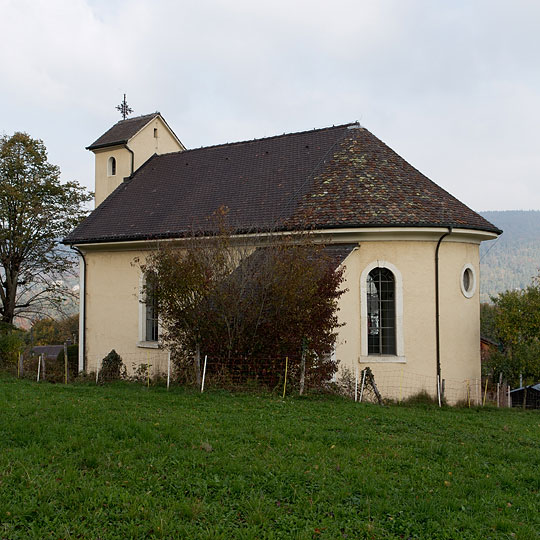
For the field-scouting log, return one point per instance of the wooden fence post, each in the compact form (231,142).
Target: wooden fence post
(285,381)
(65,363)
(168,369)
(356,384)
(302,370)
(198,365)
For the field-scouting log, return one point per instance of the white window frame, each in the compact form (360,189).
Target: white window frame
(399,357)
(142,342)
(472,289)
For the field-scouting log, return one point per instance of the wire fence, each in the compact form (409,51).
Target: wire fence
(400,384)
(280,375)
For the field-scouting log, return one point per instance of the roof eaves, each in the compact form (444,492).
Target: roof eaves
(106,145)
(168,235)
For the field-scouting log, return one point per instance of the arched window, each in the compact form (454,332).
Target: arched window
(381,311)
(151,311)
(111,166)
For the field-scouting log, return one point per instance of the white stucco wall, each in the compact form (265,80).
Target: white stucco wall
(401,376)
(113,313)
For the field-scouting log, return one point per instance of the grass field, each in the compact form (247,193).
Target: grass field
(123,461)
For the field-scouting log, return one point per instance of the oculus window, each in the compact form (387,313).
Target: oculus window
(468,281)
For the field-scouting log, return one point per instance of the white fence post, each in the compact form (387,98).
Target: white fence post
(38,367)
(203,374)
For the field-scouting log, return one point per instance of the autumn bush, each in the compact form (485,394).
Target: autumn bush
(226,298)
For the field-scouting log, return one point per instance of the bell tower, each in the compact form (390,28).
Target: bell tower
(122,149)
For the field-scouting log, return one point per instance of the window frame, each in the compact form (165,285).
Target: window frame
(468,293)
(143,341)
(381,312)
(365,357)
(111,166)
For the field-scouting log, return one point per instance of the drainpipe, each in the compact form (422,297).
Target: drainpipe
(132,157)
(82,313)
(437,310)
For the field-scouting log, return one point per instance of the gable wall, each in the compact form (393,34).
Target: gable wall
(145,145)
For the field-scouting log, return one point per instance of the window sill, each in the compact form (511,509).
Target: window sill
(383,359)
(148,344)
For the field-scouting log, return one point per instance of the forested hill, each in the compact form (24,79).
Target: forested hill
(511,261)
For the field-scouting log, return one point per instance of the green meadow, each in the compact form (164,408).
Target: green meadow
(125,461)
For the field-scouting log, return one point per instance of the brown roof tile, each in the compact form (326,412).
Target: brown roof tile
(122,131)
(335,177)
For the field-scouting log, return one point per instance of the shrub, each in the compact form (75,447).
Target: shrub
(112,367)
(222,297)
(422,398)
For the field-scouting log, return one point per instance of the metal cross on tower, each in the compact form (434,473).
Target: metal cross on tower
(124,108)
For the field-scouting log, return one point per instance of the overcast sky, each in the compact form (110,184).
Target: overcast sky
(452,86)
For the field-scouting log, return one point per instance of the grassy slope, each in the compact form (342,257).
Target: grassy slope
(127,462)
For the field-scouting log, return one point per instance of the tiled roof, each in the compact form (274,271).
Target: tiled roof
(335,177)
(337,253)
(122,131)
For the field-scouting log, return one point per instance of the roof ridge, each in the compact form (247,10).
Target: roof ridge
(126,120)
(271,137)
(122,131)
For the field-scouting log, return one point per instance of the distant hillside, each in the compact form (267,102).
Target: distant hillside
(511,261)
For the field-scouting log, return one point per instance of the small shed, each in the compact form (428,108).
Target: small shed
(50,352)
(530,395)
(487,348)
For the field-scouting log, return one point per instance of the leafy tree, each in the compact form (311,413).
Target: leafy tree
(36,210)
(49,331)
(487,321)
(517,324)
(11,343)
(221,296)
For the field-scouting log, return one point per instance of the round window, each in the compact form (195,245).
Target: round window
(468,281)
